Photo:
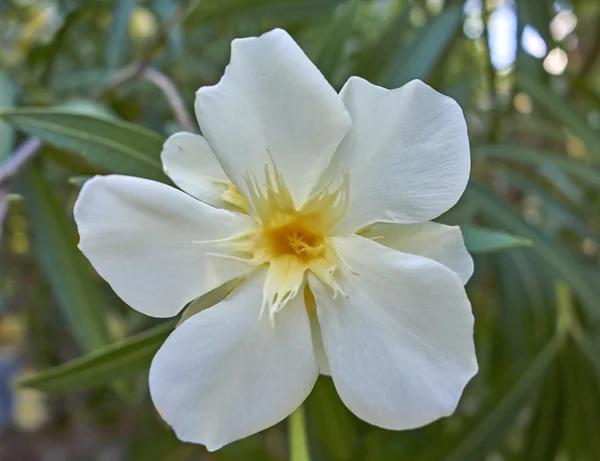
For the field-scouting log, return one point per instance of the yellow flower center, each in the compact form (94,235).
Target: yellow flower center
(290,240)
(295,238)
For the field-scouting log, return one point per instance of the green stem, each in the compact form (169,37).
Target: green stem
(298,440)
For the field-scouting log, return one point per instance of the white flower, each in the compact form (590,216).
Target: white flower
(285,190)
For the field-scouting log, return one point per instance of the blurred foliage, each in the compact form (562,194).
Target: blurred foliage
(78,72)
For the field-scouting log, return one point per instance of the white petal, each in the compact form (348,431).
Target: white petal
(191,164)
(400,344)
(320,355)
(407,154)
(225,374)
(444,244)
(272,104)
(143,238)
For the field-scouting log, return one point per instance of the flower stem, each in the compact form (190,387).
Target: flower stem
(298,440)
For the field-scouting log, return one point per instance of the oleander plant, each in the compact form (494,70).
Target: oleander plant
(304,230)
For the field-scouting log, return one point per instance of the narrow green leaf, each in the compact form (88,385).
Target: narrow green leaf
(419,56)
(542,438)
(539,14)
(331,53)
(513,303)
(557,211)
(166,9)
(589,347)
(7,100)
(119,146)
(100,367)
(7,137)
(79,181)
(581,394)
(248,449)
(540,157)
(55,242)
(561,110)
(372,59)
(210,10)
(331,426)
(459,214)
(117,32)
(478,240)
(487,432)
(550,250)
(209,299)
(546,129)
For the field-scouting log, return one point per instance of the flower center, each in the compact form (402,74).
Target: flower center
(295,238)
(290,240)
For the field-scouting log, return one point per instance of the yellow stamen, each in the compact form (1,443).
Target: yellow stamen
(292,241)
(233,196)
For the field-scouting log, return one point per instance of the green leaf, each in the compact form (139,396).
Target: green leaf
(486,432)
(7,99)
(55,242)
(539,14)
(581,418)
(543,434)
(459,214)
(117,33)
(589,347)
(209,299)
(540,157)
(175,38)
(7,138)
(419,56)
(372,59)
(118,146)
(79,180)
(100,367)
(331,425)
(478,240)
(557,209)
(558,259)
(210,10)
(553,104)
(329,57)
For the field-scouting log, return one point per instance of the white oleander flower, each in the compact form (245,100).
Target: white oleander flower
(321,203)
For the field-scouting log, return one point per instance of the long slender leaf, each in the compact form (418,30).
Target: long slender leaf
(561,110)
(484,434)
(7,136)
(175,42)
(117,33)
(540,157)
(117,360)
(543,434)
(418,58)
(550,250)
(558,210)
(478,240)
(7,100)
(331,425)
(55,242)
(371,61)
(590,349)
(581,418)
(538,13)
(281,9)
(513,305)
(120,147)
(331,52)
